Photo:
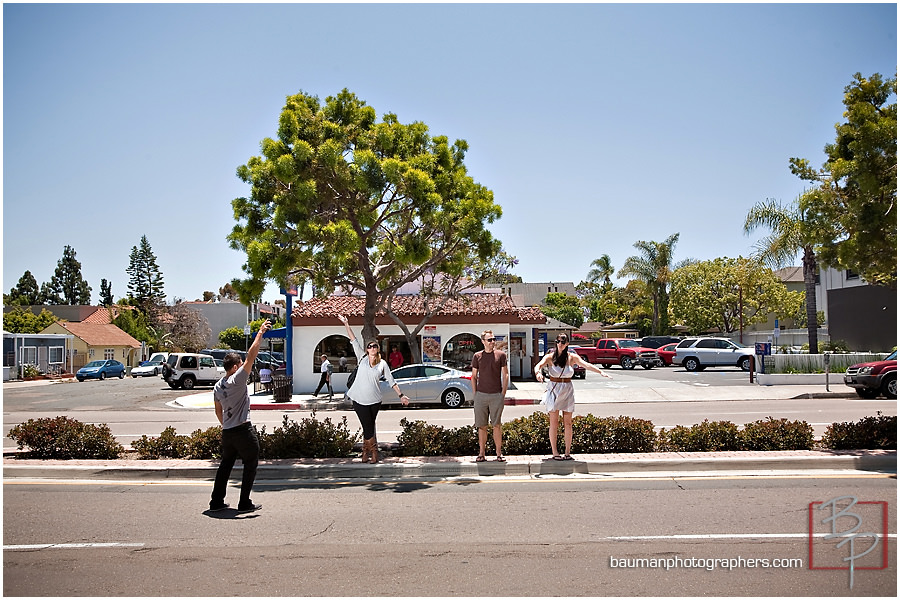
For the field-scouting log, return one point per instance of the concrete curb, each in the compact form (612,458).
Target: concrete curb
(881,461)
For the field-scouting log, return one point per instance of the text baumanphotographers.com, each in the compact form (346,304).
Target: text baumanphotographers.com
(710,564)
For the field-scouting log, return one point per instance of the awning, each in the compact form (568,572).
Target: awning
(276,333)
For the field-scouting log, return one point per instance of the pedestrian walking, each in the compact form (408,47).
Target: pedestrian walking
(325,379)
(239,439)
(561,365)
(490,381)
(366,389)
(342,363)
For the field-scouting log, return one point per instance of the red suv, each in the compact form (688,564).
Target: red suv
(873,378)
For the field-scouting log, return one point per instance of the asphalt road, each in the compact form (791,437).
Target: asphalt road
(677,536)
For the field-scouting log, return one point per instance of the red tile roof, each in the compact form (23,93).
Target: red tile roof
(100,334)
(477,306)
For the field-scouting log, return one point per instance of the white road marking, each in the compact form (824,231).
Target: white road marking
(68,546)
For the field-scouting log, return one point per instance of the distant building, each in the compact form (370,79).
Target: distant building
(862,315)
(225,314)
(534,294)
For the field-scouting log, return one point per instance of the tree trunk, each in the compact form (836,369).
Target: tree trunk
(809,279)
(370,330)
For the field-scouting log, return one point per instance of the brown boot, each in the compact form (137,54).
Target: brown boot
(367,449)
(374,449)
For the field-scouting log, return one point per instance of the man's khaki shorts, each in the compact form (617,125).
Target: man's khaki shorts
(488,405)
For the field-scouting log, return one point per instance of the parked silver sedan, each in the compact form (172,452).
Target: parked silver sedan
(430,384)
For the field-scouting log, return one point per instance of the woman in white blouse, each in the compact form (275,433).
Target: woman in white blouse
(366,390)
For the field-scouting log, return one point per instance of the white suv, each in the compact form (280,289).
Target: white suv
(183,369)
(695,354)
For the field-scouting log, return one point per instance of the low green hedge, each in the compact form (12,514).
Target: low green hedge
(66,438)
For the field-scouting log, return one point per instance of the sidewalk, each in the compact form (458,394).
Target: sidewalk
(529,393)
(643,464)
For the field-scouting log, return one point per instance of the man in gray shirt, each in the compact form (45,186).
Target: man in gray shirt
(238,435)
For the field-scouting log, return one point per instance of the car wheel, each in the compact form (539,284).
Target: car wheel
(867,393)
(453,398)
(691,364)
(889,387)
(122,375)
(80,379)
(133,376)
(102,376)
(647,364)
(173,385)
(187,382)
(744,363)
(626,362)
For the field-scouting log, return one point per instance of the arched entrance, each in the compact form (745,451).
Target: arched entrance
(458,352)
(335,346)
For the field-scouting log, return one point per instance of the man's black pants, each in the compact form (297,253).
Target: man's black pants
(240,441)
(324,380)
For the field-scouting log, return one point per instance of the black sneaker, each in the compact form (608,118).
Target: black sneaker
(218,507)
(251,508)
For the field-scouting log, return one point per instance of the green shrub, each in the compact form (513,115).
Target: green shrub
(526,435)
(206,444)
(309,438)
(418,438)
(30,371)
(780,434)
(717,436)
(64,438)
(871,433)
(168,445)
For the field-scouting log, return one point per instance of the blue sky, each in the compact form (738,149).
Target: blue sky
(595,125)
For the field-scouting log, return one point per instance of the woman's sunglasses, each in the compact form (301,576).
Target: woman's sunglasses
(372,346)
(562,341)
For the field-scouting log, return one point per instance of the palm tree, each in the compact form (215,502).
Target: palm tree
(790,234)
(601,271)
(654,268)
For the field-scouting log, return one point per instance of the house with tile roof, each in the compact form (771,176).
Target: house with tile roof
(451,336)
(98,341)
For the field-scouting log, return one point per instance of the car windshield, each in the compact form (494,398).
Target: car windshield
(893,356)
(95,363)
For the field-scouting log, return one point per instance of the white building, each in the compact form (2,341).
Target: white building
(451,336)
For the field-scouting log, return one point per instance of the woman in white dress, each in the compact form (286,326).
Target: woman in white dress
(561,365)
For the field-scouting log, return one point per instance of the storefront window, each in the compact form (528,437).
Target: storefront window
(458,352)
(335,347)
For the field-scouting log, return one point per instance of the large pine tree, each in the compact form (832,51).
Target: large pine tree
(67,286)
(26,293)
(145,283)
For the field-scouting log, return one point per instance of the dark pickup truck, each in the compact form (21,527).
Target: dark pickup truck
(873,378)
(617,351)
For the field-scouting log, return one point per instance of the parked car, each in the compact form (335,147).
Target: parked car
(430,384)
(667,353)
(152,367)
(184,369)
(658,341)
(695,354)
(615,351)
(101,369)
(873,378)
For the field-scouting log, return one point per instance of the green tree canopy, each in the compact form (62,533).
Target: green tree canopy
(145,283)
(564,308)
(106,295)
(67,286)
(653,267)
(710,295)
(22,320)
(25,293)
(790,233)
(854,202)
(346,202)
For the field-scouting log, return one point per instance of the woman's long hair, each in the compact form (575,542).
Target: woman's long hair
(561,359)
(377,354)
